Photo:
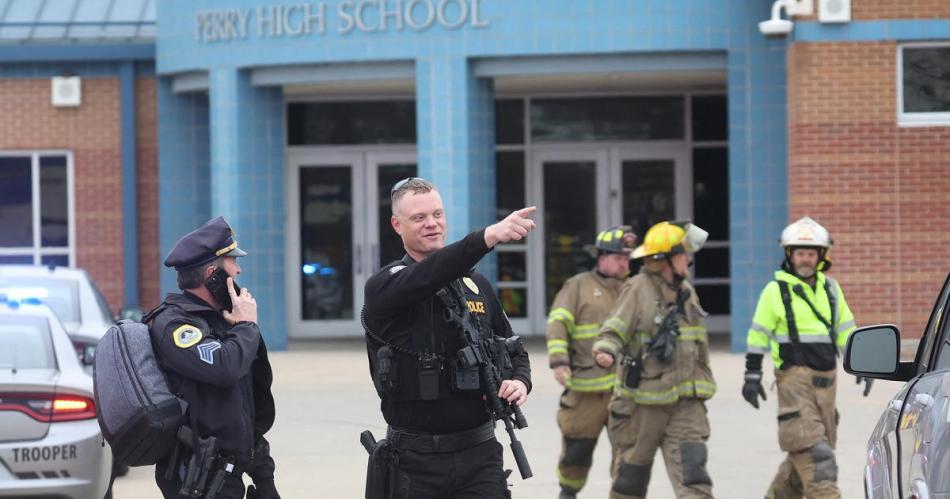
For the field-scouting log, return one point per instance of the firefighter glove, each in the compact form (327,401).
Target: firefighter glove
(752,388)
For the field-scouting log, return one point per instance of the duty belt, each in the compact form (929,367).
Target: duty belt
(428,443)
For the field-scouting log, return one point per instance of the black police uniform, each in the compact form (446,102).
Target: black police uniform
(402,309)
(221,370)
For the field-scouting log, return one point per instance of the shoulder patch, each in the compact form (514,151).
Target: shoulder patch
(470,284)
(187,336)
(206,351)
(397,268)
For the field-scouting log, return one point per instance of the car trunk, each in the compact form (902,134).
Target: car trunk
(25,395)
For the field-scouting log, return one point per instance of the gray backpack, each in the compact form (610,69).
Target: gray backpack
(138,414)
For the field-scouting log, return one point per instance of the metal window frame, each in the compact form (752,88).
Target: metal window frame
(615,151)
(905,119)
(36,250)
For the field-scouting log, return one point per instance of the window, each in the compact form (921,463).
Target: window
(584,119)
(923,96)
(341,123)
(36,215)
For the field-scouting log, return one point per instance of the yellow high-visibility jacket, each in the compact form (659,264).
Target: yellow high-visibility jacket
(769,332)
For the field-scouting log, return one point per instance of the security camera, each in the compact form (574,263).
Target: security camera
(776,27)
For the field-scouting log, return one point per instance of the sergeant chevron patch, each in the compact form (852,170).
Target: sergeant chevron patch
(206,351)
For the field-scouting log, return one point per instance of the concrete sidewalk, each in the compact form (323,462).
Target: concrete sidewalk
(325,399)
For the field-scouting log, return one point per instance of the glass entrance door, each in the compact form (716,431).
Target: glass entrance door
(566,188)
(583,191)
(338,234)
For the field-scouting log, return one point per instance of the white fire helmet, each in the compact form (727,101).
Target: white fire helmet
(806,232)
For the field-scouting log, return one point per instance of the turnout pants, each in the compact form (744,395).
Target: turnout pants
(465,465)
(807,429)
(581,417)
(679,430)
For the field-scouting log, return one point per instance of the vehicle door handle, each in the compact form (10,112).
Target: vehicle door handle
(924,400)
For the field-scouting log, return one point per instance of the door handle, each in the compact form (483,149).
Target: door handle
(924,400)
(359,259)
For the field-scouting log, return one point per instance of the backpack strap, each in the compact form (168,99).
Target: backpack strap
(790,321)
(828,324)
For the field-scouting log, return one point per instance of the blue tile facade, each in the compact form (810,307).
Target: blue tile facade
(247,186)
(456,142)
(184,188)
(454,107)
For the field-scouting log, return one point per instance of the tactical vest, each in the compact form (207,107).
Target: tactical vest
(420,361)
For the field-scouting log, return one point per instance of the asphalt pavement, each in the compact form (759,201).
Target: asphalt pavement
(325,399)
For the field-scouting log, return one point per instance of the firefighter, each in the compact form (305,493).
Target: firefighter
(656,334)
(576,315)
(802,319)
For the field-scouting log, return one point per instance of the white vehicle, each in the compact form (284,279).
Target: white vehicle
(50,442)
(71,293)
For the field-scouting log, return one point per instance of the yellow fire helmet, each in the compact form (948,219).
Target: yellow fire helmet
(669,238)
(616,239)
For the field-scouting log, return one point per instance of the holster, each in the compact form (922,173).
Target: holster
(379,472)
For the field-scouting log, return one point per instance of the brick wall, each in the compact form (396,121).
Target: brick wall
(868,10)
(882,190)
(899,9)
(92,132)
(147,178)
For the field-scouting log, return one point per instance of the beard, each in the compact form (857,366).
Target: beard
(805,271)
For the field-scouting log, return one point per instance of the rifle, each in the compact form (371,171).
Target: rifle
(664,343)
(475,355)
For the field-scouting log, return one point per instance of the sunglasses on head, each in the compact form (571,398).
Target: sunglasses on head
(402,183)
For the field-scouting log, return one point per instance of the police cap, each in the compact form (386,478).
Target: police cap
(212,240)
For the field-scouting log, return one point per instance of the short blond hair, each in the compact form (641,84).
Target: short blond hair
(415,185)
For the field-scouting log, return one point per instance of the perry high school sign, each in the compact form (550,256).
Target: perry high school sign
(305,19)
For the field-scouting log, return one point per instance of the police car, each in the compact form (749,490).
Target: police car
(72,295)
(909,450)
(50,442)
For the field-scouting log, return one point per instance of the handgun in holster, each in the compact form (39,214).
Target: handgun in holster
(202,478)
(379,470)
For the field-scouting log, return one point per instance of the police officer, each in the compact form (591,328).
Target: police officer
(577,313)
(656,334)
(802,319)
(208,343)
(439,426)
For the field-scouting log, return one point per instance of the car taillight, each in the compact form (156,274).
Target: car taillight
(48,408)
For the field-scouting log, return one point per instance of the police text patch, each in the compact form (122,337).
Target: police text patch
(476,307)
(187,336)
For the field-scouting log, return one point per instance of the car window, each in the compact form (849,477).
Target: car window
(61,295)
(101,303)
(26,342)
(937,327)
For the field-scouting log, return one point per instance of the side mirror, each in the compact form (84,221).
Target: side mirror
(131,313)
(873,352)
